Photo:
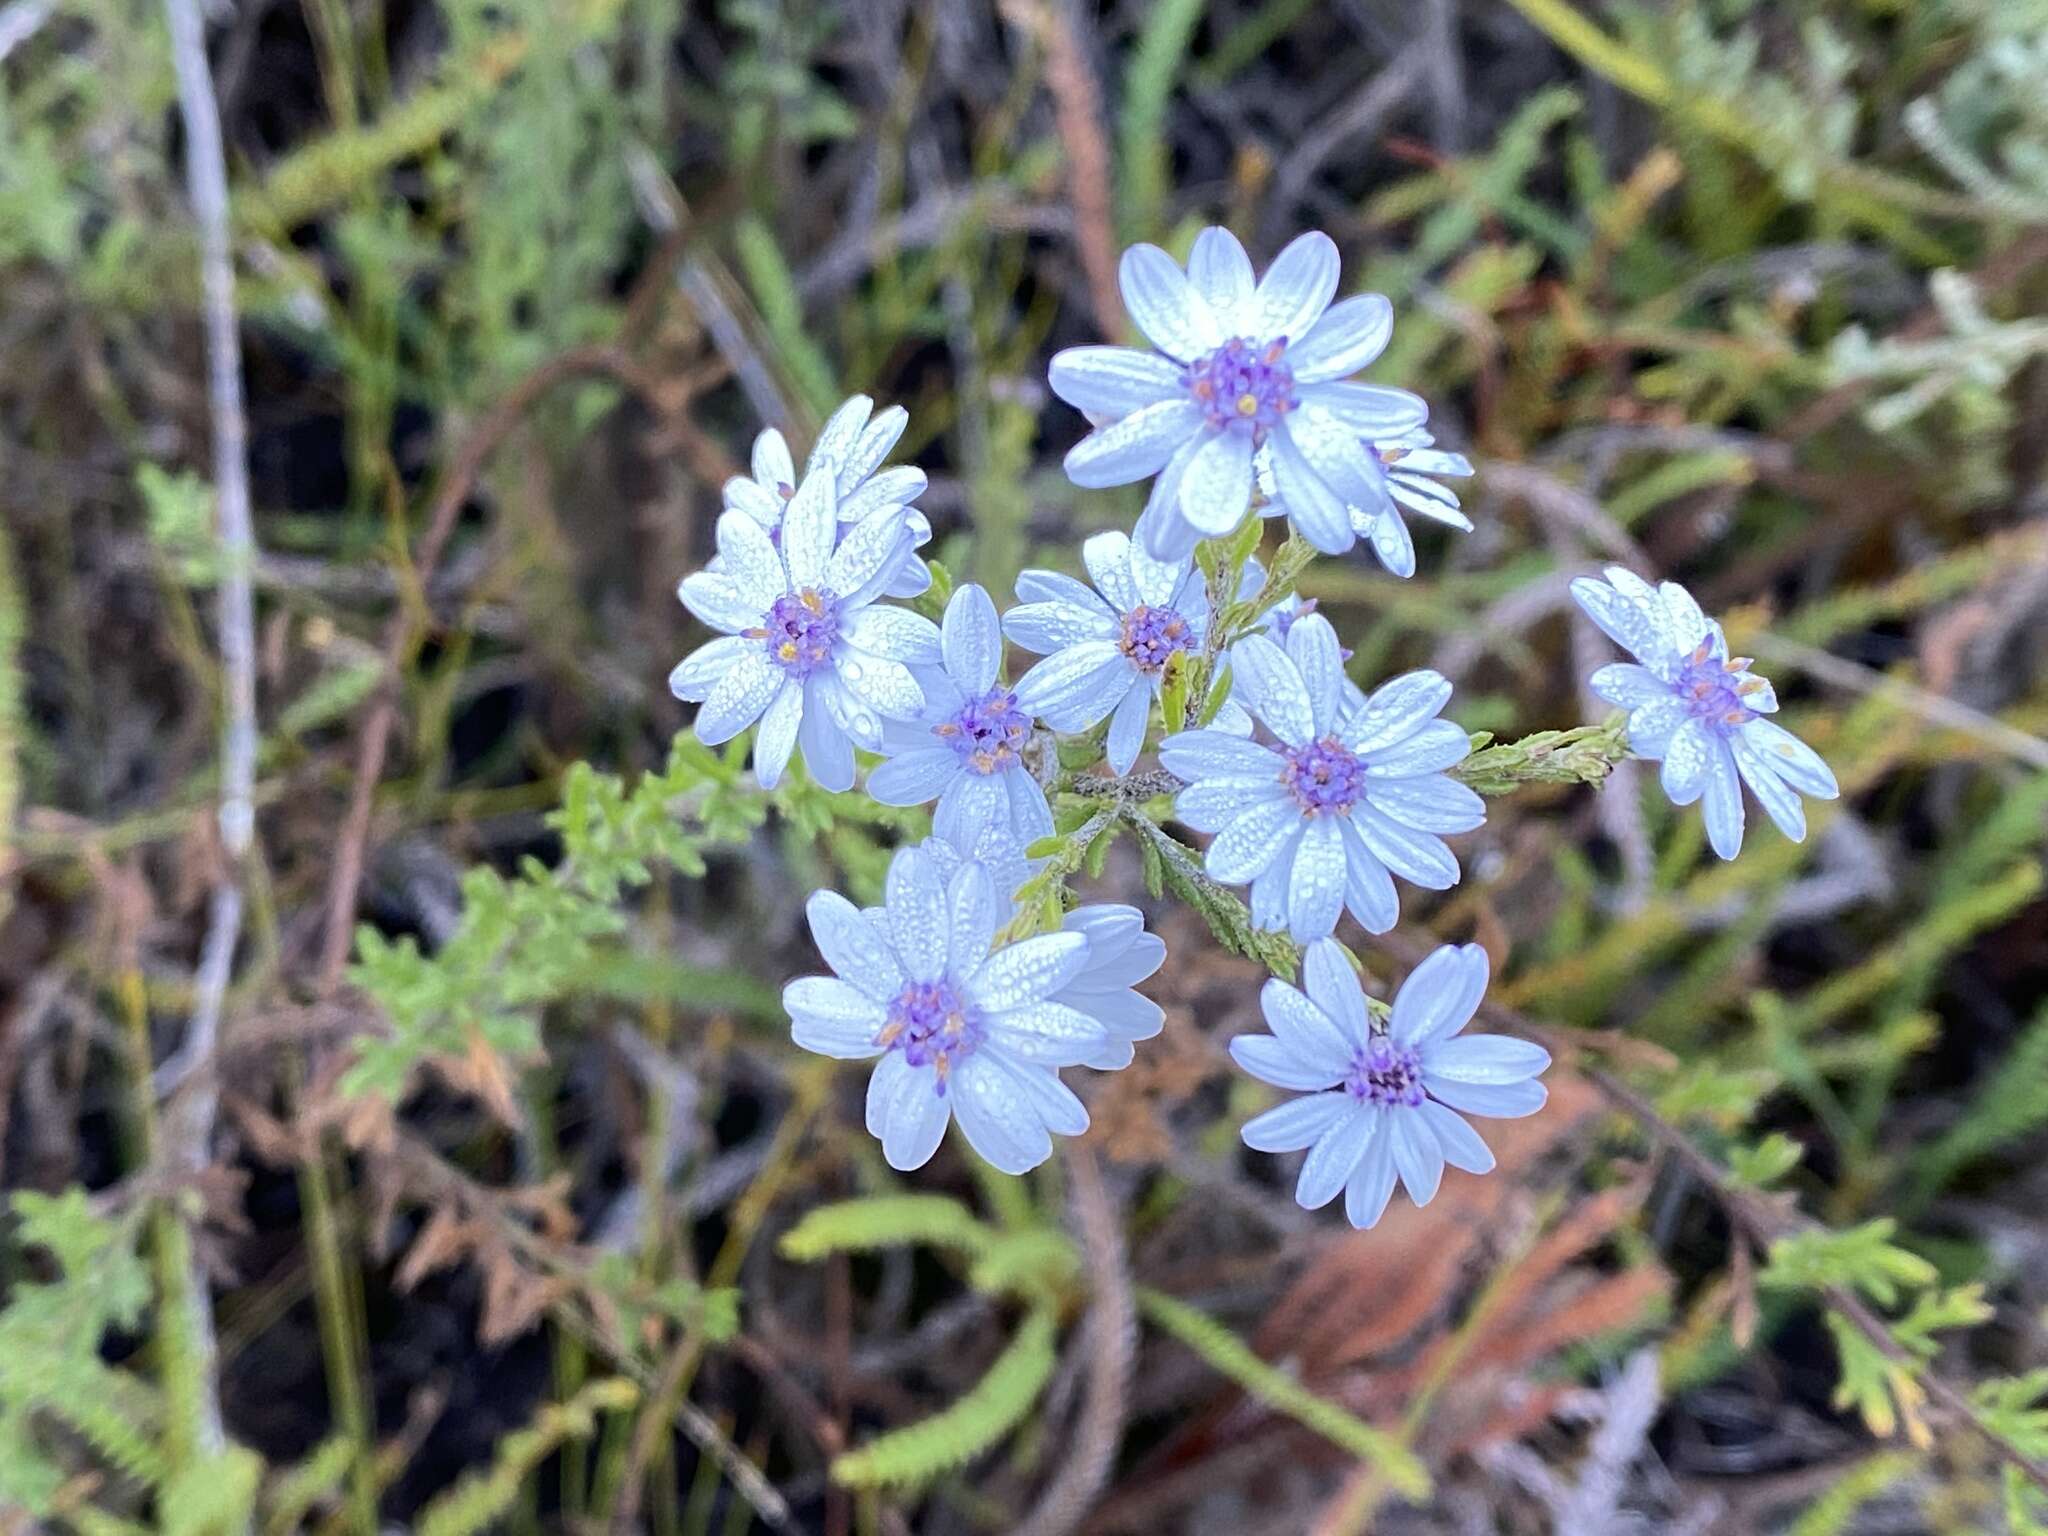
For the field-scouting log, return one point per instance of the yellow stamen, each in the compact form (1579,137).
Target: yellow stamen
(1247,405)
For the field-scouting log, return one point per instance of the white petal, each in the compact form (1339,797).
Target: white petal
(1688,759)
(919,916)
(1722,801)
(1371,411)
(1333,986)
(749,557)
(868,553)
(772,465)
(828,754)
(809,527)
(1430,748)
(1107,559)
(1205,754)
(852,947)
(1371,1186)
(714,598)
(1047,1033)
(1309,1034)
(915,777)
(1793,760)
(1642,629)
(1395,710)
(975,910)
(1498,1101)
(1312,647)
(1462,1147)
(1485,1059)
(906,1111)
(1127,727)
(1625,684)
(1043,628)
(1368,888)
(1688,625)
(997,1114)
(1417,1156)
(1072,689)
(1269,1060)
(1430,803)
(1209,804)
(833,1017)
(1315,891)
(1419,857)
(1316,510)
(1133,446)
(698,673)
(894,633)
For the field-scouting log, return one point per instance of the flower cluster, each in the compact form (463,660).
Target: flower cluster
(970,987)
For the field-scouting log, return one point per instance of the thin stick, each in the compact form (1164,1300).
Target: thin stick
(190,1122)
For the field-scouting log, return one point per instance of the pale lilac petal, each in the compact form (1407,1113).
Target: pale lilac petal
(827,752)
(1351,333)
(1780,800)
(997,1114)
(1222,274)
(1043,628)
(1308,1033)
(751,497)
(1216,486)
(1315,894)
(1371,1186)
(1419,857)
(1391,542)
(1030,814)
(1433,747)
(896,634)
(1394,710)
(1417,1156)
(1312,647)
(1461,1146)
(852,947)
(1270,684)
(1202,754)
(1270,1061)
(1650,725)
(972,638)
(1027,971)
(1374,412)
(915,777)
(1497,1101)
(1107,559)
(1165,306)
(1431,803)
(1722,800)
(1643,630)
(1368,889)
(1314,508)
(1208,804)
(1333,986)
(1295,291)
(838,437)
(1252,840)
(920,918)
(906,1112)
(866,555)
(1484,1059)
(716,600)
(833,1017)
(1629,686)
(772,464)
(886,686)
(749,557)
(1127,727)
(1047,1034)
(1688,761)
(1689,626)
(1113,381)
(698,673)
(1134,446)
(1296,1124)
(776,738)
(1072,689)
(809,527)
(1440,995)
(1792,759)
(1335,1156)
(737,699)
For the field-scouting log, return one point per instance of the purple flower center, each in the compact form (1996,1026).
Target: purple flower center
(1384,1073)
(1242,382)
(1712,690)
(989,732)
(933,1027)
(801,628)
(1152,636)
(1323,776)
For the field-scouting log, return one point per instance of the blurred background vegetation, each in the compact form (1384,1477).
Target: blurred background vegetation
(499,1200)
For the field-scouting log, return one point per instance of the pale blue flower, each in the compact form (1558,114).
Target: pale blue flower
(964,1030)
(804,649)
(853,445)
(1699,710)
(1410,461)
(965,749)
(1120,952)
(1106,650)
(1383,1099)
(1240,366)
(1280,618)
(1348,796)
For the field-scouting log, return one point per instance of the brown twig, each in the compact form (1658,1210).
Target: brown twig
(403,633)
(1077,117)
(1758,1218)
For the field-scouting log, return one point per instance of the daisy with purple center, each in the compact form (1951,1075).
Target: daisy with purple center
(1348,796)
(1384,1099)
(1106,650)
(804,649)
(1410,461)
(853,444)
(966,747)
(1243,369)
(962,1029)
(1699,710)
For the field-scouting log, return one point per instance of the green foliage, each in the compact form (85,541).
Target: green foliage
(50,1336)
(1171,865)
(524,942)
(1229,1356)
(1149,78)
(957,1434)
(212,1495)
(295,1490)
(858,1226)
(1861,1258)
(1585,754)
(782,312)
(481,1499)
